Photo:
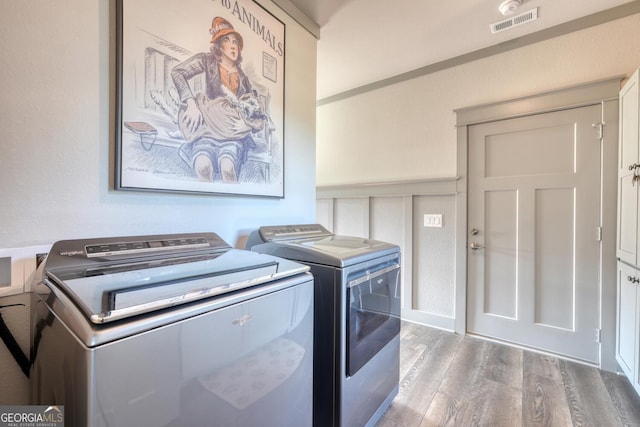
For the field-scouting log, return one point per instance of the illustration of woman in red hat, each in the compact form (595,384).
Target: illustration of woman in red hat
(217,123)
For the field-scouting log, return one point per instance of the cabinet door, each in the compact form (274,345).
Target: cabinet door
(627,239)
(626,343)
(628,323)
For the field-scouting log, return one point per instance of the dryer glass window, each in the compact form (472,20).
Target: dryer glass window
(373,312)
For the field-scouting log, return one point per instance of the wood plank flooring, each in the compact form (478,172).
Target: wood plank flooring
(450,380)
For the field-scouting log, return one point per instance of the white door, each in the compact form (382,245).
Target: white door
(534,231)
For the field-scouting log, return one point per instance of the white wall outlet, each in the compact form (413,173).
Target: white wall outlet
(433,220)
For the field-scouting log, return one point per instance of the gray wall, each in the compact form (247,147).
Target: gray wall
(57,158)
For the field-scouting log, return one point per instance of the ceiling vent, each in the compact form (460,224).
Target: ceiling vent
(514,21)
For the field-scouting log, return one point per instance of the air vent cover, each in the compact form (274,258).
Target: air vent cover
(514,21)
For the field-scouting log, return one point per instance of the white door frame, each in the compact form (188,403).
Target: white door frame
(604,92)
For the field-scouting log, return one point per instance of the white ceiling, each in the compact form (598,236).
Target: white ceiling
(365,41)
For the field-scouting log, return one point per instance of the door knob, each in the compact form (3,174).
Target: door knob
(474,231)
(475,246)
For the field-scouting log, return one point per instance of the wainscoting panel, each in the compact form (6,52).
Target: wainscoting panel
(324,212)
(434,256)
(395,213)
(351,216)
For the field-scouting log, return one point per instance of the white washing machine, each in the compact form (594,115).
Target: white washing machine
(172,330)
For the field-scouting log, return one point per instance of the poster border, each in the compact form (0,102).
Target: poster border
(118,181)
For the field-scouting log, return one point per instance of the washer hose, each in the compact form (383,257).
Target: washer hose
(12,344)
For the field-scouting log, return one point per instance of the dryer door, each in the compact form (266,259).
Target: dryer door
(373,312)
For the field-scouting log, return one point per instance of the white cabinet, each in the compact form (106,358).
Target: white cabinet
(628,324)
(628,170)
(628,241)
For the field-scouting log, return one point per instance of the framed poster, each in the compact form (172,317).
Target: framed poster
(200,104)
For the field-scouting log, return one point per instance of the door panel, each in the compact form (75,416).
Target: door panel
(522,152)
(554,264)
(534,199)
(501,269)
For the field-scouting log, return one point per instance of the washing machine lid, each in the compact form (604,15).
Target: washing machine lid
(113,279)
(314,244)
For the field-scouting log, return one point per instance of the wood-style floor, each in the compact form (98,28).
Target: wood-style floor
(450,380)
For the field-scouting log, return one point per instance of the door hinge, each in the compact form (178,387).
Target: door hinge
(600,126)
(598,234)
(598,335)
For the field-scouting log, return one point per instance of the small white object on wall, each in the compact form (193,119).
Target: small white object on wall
(433,220)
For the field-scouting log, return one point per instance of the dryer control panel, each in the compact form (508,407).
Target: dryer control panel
(272,233)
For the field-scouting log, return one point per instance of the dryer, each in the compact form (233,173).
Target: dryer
(357,318)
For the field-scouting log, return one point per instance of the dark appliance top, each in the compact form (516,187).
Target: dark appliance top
(314,243)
